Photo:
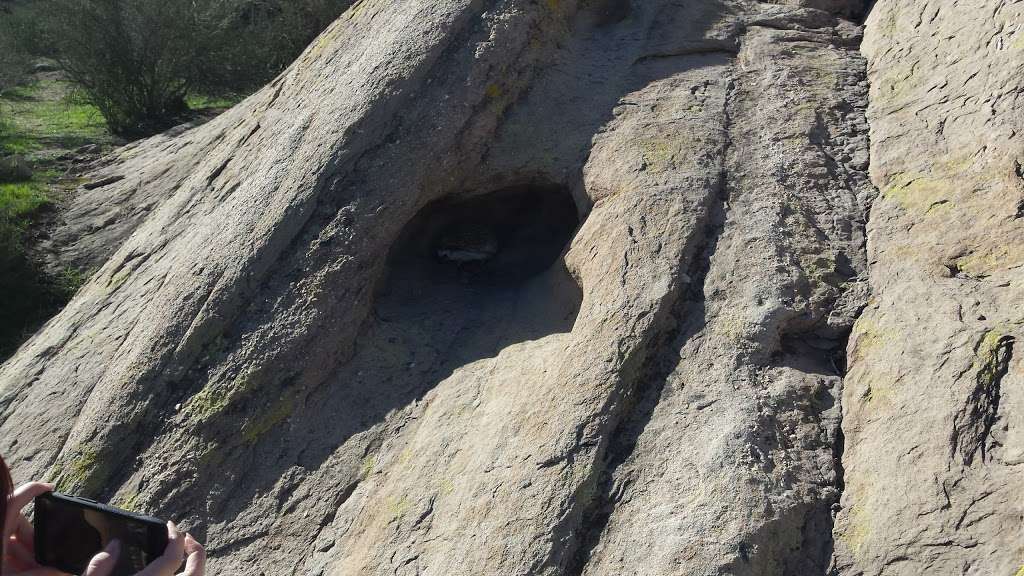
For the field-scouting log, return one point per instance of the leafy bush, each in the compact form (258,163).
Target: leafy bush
(13,65)
(261,38)
(139,60)
(13,59)
(135,59)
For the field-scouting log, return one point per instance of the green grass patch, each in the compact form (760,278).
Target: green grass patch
(39,121)
(25,92)
(49,114)
(19,200)
(202,102)
(30,296)
(12,140)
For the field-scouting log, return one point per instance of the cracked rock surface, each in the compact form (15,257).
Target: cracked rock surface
(565,288)
(934,400)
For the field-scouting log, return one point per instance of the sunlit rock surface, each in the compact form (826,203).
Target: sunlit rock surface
(565,288)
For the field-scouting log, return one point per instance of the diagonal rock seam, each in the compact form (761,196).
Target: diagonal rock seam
(972,426)
(644,391)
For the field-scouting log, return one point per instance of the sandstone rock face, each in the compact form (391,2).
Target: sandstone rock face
(564,288)
(934,401)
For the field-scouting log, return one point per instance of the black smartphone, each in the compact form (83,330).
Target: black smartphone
(70,530)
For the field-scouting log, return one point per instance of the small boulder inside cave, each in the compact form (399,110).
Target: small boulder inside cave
(466,243)
(503,237)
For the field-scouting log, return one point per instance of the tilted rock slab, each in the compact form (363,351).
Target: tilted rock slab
(934,400)
(272,354)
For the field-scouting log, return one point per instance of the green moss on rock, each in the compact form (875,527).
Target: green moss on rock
(82,474)
(257,427)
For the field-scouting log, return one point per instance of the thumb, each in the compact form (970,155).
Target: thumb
(103,563)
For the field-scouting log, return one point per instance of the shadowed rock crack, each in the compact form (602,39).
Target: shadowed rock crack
(972,426)
(687,317)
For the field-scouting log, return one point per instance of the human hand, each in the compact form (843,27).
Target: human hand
(19,557)
(178,546)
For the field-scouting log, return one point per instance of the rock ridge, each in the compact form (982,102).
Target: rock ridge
(564,288)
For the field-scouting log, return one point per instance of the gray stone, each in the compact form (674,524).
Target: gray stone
(934,401)
(44,65)
(636,363)
(14,168)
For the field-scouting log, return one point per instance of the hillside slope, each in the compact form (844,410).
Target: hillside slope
(519,287)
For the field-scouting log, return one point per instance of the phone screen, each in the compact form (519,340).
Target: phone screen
(69,533)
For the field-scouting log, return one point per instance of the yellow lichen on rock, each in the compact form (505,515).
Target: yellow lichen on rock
(356,10)
(990,259)
(257,427)
(879,393)
(130,502)
(397,507)
(857,530)
(369,462)
(660,154)
(868,335)
(730,324)
(918,192)
(215,398)
(75,477)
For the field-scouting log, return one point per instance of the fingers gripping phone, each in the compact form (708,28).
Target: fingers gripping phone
(70,530)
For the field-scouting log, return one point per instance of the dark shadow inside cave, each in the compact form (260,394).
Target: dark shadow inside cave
(501,239)
(469,276)
(481,243)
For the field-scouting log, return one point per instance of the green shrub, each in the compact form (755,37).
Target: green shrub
(140,60)
(135,59)
(14,61)
(14,64)
(261,38)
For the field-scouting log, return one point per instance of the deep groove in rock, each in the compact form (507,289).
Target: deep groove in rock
(841,358)
(814,519)
(688,316)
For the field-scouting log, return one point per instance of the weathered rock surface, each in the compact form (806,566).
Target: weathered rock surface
(519,287)
(934,401)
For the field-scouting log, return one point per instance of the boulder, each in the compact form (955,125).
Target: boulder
(14,168)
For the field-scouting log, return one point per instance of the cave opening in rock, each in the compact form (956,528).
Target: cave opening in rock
(465,279)
(470,275)
(502,238)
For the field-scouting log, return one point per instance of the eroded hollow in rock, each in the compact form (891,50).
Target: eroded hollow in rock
(471,275)
(502,238)
(466,278)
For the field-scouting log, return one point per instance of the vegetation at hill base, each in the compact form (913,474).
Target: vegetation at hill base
(79,77)
(140,62)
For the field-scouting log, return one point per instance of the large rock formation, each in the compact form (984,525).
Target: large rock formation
(557,287)
(934,400)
